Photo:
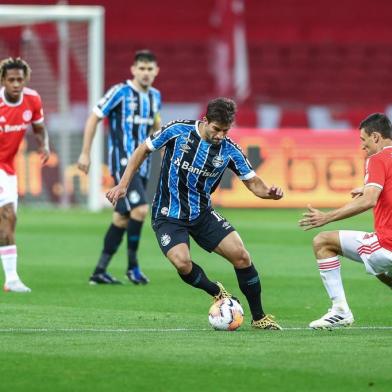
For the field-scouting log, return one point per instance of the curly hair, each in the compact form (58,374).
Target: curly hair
(14,63)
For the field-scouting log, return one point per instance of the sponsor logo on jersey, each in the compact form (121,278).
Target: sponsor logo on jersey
(27,115)
(13,128)
(165,239)
(188,167)
(226,225)
(218,161)
(140,120)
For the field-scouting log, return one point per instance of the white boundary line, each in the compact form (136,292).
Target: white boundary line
(139,330)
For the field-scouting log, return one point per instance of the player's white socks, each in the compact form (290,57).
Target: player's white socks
(330,275)
(8,256)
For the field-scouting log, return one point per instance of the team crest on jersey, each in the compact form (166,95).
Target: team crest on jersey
(123,161)
(165,239)
(3,119)
(27,115)
(164,211)
(217,161)
(134,197)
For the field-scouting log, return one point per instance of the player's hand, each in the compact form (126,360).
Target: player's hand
(312,218)
(44,154)
(84,163)
(356,192)
(275,193)
(116,193)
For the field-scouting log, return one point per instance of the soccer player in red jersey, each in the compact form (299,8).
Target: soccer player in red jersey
(374,250)
(19,107)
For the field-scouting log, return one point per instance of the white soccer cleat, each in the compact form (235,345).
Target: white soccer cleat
(333,319)
(16,286)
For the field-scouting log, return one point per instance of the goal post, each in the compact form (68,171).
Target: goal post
(21,15)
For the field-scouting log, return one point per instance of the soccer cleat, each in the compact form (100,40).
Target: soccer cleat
(103,278)
(16,286)
(223,293)
(267,322)
(333,319)
(136,276)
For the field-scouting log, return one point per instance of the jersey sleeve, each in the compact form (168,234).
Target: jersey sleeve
(375,172)
(160,138)
(38,112)
(239,163)
(111,99)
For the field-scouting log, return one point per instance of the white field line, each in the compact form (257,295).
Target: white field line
(139,330)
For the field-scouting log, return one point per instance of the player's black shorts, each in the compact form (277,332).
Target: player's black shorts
(208,230)
(136,195)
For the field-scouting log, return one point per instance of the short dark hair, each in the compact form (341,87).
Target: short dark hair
(145,55)
(377,122)
(221,110)
(14,63)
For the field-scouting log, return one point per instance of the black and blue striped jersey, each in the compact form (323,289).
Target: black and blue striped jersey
(131,115)
(192,169)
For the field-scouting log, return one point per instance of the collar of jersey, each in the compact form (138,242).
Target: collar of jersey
(129,82)
(10,103)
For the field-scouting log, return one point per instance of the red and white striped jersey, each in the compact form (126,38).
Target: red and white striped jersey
(14,120)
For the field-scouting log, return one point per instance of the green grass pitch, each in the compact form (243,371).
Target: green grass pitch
(69,336)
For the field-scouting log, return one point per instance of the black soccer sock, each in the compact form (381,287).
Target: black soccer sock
(134,230)
(111,243)
(197,278)
(249,282)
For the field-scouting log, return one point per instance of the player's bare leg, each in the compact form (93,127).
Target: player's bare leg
(134,229)
(8,251)
(326,247)
(232,249)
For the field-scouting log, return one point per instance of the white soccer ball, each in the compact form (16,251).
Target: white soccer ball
(226,315)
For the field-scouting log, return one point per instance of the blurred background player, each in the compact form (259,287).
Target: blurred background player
(19,107)
(374,250)
(133,110)
(196,156)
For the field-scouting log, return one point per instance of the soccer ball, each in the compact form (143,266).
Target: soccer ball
(226,315)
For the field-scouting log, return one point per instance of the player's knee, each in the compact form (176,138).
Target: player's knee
(139,213)
(6,236)
(181,261)
(320,241)
(242,258)
(120,220)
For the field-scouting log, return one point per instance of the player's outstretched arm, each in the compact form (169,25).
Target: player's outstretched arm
(88,137)
(136,159)
(257,186)
(316,218)
(41,135)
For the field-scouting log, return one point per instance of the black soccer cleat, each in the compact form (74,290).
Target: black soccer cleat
(103,278)
(136,276)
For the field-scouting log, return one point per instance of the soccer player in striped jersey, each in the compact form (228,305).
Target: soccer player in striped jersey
(133,111)
(374,250)
(20,107)
(195,158)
